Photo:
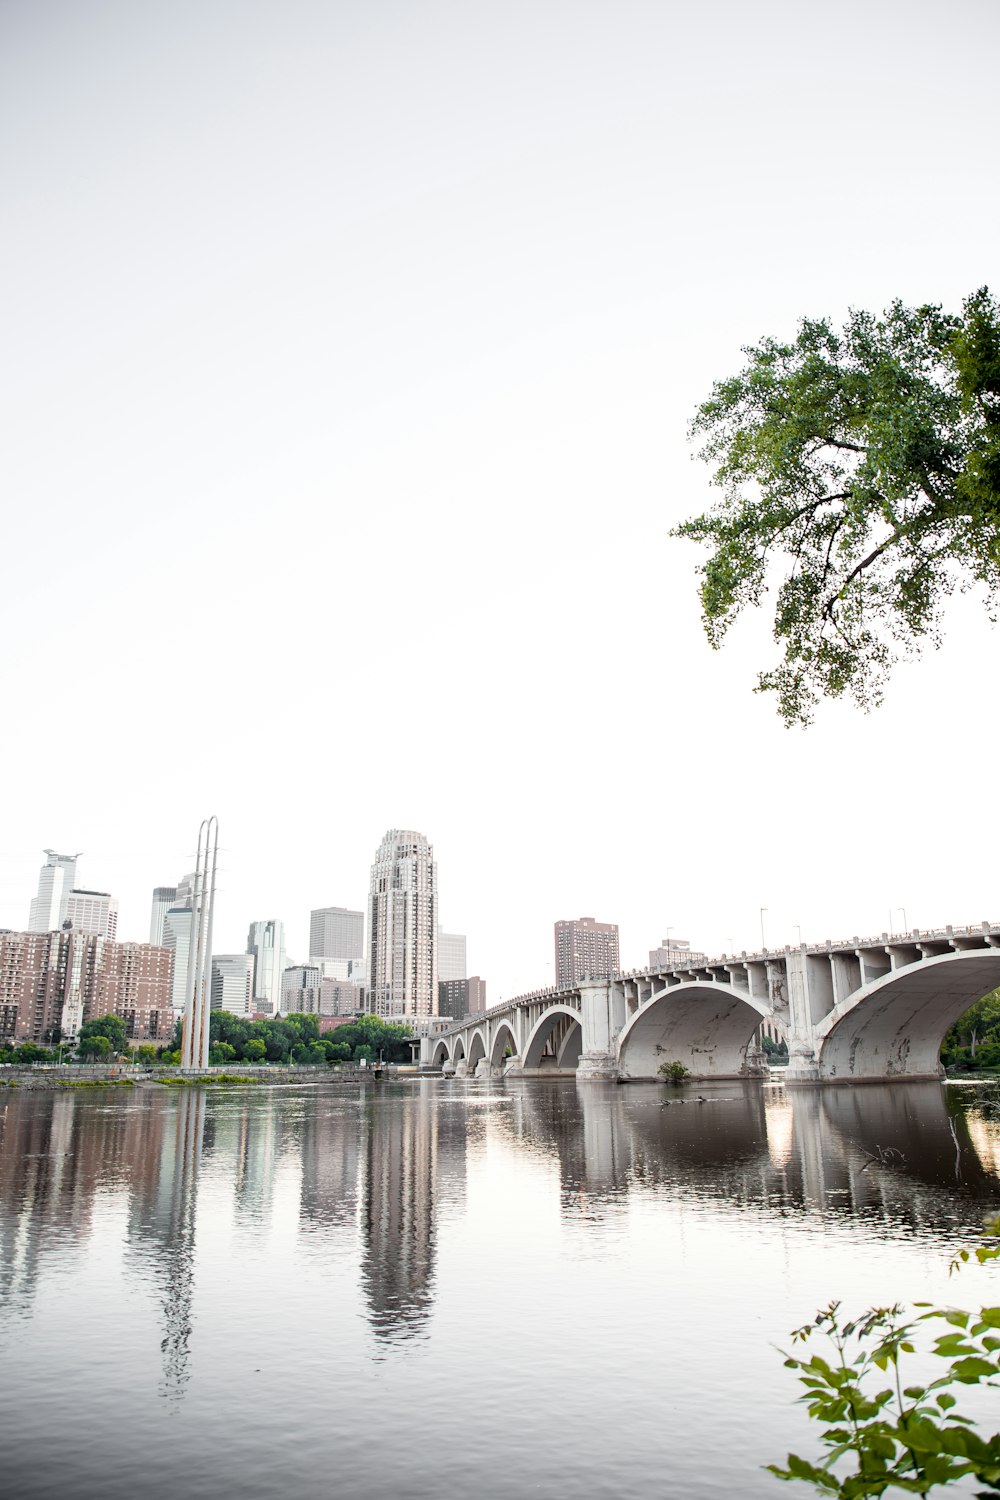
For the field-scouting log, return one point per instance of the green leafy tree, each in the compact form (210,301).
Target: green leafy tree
(255,1050)
(145,1053)
(110,1027)
(968,1043)
(905,1435)
(95,1047)
(865,466)
(29,1053)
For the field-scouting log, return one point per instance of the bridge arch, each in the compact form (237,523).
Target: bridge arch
(703,1024)
(477,1049)
(502,1039)
(894,1027)
(440,1055)
(552,1043)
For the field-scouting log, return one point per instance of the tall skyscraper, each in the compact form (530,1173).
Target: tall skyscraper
(402,927)
(92,911)
(164,897)
(55,881)
(337,932)
(451,956)
(585,947)
(266,945)
(176,935)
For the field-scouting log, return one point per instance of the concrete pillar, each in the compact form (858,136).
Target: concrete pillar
(602,1016)
(802,1063)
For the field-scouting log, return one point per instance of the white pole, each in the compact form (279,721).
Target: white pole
(206,1013)
(187,1035)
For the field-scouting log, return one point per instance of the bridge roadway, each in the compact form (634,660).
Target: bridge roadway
(853,1010)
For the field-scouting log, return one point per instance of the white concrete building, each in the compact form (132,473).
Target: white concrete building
(55,881)
(402,926)
(232,983)
(266,946)
(176,935)
(93,911)
(337,932)
(452,960)
(164,897)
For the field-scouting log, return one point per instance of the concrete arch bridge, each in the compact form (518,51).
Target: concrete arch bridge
(853,1010)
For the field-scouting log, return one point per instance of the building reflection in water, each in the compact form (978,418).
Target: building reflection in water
(413,1154)
(903,1153)
(382,1168)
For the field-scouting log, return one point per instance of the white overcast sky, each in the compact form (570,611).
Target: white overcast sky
(348,353)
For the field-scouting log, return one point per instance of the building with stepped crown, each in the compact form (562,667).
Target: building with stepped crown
(402,927)
(56,880)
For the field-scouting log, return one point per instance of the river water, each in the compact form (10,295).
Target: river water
(452,1289)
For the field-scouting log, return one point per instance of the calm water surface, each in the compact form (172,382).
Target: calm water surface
(446,1289)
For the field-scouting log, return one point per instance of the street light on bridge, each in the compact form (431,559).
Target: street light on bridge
(763,944)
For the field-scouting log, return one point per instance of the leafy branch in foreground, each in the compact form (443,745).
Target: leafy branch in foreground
(898,1436)
(866,464)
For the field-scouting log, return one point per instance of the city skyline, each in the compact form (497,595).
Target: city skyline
(168,912)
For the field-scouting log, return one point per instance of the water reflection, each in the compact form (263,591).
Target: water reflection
(162,1217)
(905,1154)
(380,1171)
(410,1157)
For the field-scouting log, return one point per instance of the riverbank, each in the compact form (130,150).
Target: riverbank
(33,1076)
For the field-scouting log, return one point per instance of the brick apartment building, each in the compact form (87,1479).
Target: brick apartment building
(51,982)
(585,947)
(462,997)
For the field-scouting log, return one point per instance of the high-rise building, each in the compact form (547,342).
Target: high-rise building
(92,911)
(337,932)
(52,982)
(177,923)
(585,947)
(164,897)
(461,997)
(232,983)
(266,945)
(55,881)
(402,927)
(451,955)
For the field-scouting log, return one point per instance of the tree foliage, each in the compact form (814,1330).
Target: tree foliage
(866,465)
(905,1435)
(296,1039)
(109,1027)
(974,1040)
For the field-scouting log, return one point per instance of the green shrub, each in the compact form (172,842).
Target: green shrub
(898,1436)
(675,1072)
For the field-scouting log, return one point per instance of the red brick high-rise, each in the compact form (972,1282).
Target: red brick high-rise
(584,947)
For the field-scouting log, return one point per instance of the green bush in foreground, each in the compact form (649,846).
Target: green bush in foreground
(898,1436)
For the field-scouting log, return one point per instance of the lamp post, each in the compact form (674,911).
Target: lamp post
(763,944)
(798,929)
(902,913)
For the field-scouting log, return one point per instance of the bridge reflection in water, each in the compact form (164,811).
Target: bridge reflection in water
(376,1174)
